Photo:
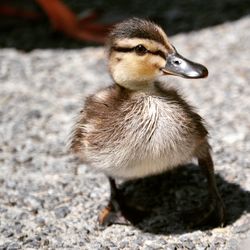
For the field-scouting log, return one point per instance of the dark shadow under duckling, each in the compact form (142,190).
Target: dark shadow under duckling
(138,127)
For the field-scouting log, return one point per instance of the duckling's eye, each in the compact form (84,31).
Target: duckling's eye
(140,50)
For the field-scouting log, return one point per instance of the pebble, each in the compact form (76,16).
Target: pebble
(33,203)
(14,246)
(188,244)
(123,244)
(62,212)
(33,243)
(40,221)
(152,244)
(242,228)
(233,244)
(4,246)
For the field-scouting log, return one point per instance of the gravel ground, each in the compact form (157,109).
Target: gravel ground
(44,204)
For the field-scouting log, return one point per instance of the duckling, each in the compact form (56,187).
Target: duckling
(138,127)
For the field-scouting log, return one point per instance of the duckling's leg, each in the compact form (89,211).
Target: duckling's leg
(118,212)
(215,203)
(112,213)
(214,210)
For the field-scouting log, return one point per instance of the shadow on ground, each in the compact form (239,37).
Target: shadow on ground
(174,16)
(169,195)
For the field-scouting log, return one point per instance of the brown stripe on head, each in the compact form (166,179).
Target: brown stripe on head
(139,28)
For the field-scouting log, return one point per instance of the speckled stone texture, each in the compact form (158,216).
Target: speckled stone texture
(44,204)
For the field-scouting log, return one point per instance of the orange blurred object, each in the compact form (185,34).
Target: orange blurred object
(64,20)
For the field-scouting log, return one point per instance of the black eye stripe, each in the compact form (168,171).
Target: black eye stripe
(158,53)
(124,50)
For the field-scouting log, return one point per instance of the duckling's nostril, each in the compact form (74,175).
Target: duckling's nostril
(177,62)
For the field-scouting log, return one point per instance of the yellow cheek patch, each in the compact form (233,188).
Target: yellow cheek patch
(145,70)
(135,68)
(151,65)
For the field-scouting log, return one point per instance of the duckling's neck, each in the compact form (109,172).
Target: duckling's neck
(142,86)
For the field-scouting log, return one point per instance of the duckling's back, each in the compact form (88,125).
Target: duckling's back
(132,134)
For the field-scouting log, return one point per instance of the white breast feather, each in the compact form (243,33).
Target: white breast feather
(151,142)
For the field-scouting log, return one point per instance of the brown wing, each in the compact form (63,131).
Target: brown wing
(77,135)
(99,111)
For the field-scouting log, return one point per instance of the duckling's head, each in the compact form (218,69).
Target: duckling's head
(139,52)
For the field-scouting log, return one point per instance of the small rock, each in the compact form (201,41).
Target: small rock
(188,244)
(152,244)
(11,184)
(233,137)
(23,158)
(8,233)
(33,242)
(23,237)
(40,221)
(123,244)
(62,212)
(242,228)
(171,247)
(232,244)
(33,203)
(4,246)
(22,216)
(13,246)
(96,246)
(70,107)
(3,210)
(34,114)
(46,242)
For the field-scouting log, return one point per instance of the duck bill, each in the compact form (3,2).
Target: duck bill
(179,66)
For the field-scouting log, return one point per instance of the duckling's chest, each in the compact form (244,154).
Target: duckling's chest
(155,122)
(145,126)
(144,137)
